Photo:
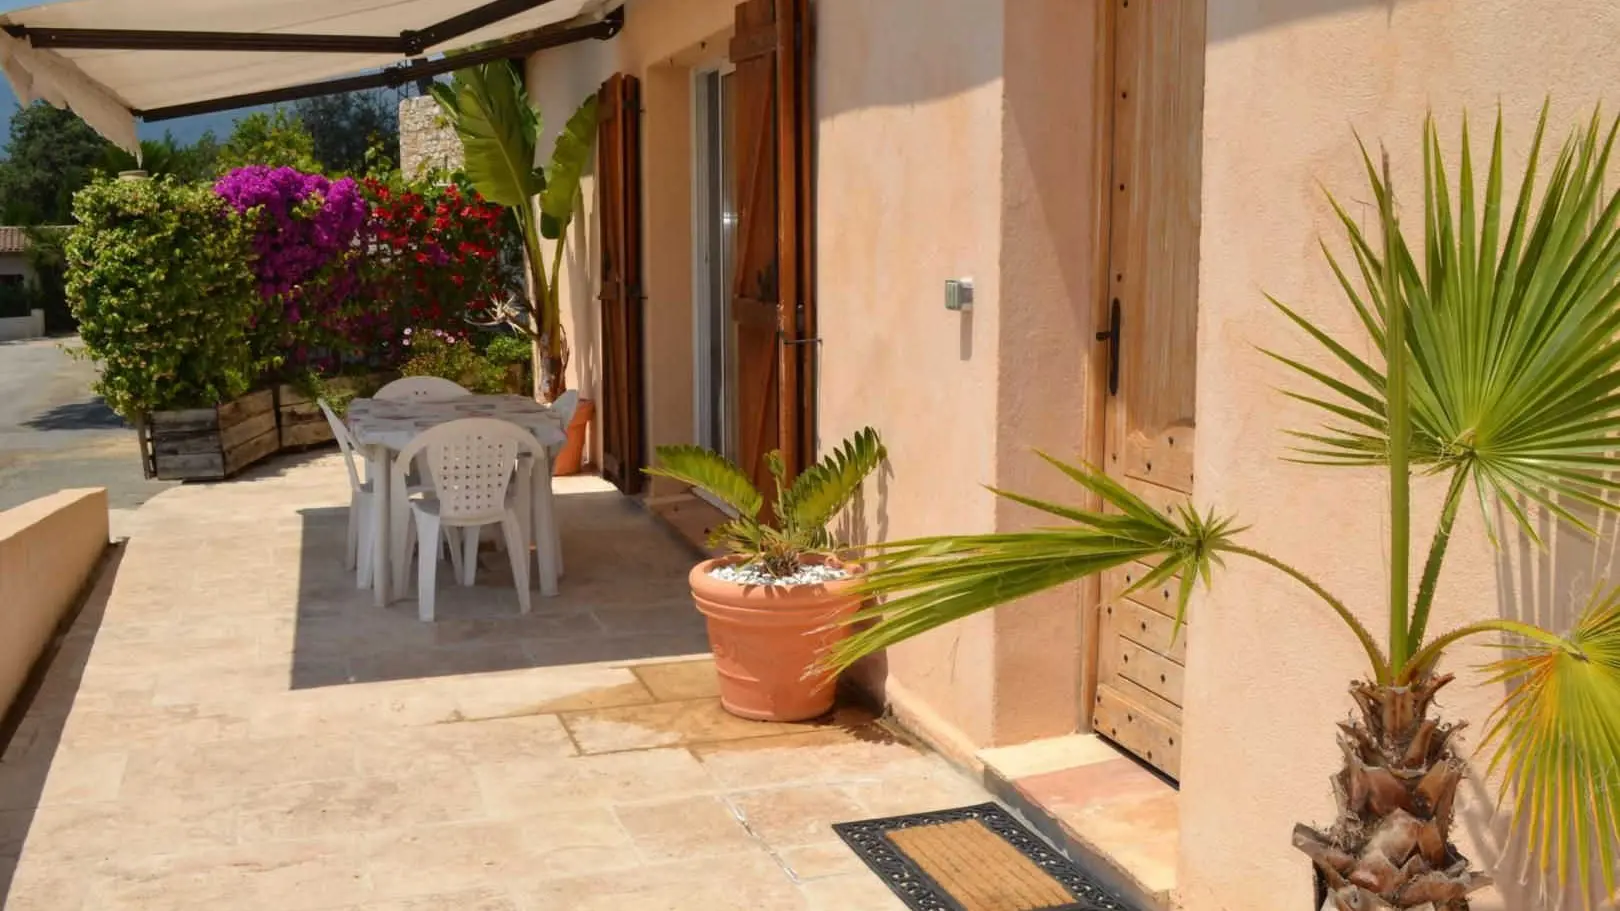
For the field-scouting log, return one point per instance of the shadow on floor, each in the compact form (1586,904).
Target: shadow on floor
(91,415)
(623,597)
(31,731)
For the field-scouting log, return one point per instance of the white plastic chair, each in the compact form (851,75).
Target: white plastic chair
(429,388)
(473,462)
(360,493)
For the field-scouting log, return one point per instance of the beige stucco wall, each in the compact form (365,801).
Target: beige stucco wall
(954,138)
(48,549)
(909,106)
(1287,82)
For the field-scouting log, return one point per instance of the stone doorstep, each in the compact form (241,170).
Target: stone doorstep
(1088,799)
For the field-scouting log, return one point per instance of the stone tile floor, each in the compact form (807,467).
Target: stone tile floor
(230,724)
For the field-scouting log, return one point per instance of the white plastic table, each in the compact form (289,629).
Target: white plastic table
(384,427)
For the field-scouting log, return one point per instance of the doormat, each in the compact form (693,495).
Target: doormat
(972,859)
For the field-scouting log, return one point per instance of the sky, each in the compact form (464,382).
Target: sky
(185,129)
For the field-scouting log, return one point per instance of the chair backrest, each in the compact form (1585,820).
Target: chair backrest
(565,405)
(471,461)
(430,388)
(345,442)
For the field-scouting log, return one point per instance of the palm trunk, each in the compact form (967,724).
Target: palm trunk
(1391,848)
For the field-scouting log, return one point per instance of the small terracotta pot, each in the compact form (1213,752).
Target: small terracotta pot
(572,455)
(765,637)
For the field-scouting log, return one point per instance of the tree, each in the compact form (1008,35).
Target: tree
(276,139)
(1497,366)
(344,128)
(51,154)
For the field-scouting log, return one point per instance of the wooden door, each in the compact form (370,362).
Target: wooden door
(618,201)
(772,297)
(1153,287)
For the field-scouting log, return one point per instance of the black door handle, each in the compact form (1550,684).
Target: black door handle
(1112,338)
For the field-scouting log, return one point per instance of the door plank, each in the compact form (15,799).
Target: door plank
(1154,738)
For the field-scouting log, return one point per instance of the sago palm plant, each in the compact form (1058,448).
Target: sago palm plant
(777,540)
(1498,342)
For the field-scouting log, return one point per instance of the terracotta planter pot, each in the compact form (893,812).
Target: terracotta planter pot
(764,638)
(573,452)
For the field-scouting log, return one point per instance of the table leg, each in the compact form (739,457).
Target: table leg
(525,497)
(545,524)
(377,470)
(399,515)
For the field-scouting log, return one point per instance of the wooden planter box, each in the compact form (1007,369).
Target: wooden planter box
(299,416)
(209,444)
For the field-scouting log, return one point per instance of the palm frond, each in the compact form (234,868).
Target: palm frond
(710,471)
(1513,335)
(933,581)
(821,490)
(1556,740)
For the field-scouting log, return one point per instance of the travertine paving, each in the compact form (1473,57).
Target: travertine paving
(232,725)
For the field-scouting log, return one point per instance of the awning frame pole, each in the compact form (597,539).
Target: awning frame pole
(398,74)
(409,43)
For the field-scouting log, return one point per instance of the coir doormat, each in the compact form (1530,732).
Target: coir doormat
(972,859)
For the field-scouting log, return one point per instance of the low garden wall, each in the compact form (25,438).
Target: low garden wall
(13,328)
(49,549)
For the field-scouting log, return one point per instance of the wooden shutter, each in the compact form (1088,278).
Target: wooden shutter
(772,295)
(618,200)
(1153,272)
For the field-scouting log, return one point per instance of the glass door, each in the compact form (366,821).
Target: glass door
(714,234)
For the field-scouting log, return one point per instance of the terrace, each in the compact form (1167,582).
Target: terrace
(230,722)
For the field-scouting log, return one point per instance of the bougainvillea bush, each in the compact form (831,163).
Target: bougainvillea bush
(159,277)
(349,266)
(305,232)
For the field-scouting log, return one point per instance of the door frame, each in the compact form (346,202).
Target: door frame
(1094,441)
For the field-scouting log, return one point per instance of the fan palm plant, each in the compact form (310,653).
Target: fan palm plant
(499,128)
(1498,341)
(777,540)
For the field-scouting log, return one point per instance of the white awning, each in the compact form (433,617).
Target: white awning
(112,60)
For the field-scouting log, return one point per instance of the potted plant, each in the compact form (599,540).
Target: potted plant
(775,602)
(1496,369)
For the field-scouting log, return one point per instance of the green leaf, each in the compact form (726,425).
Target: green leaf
(1556,741)
(575,145)
(1513,342)
(821,490)
(489,108)
(711,472)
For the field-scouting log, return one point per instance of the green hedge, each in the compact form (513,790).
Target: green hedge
(158,276)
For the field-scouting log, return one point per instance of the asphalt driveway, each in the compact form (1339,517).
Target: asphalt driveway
(56,433)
